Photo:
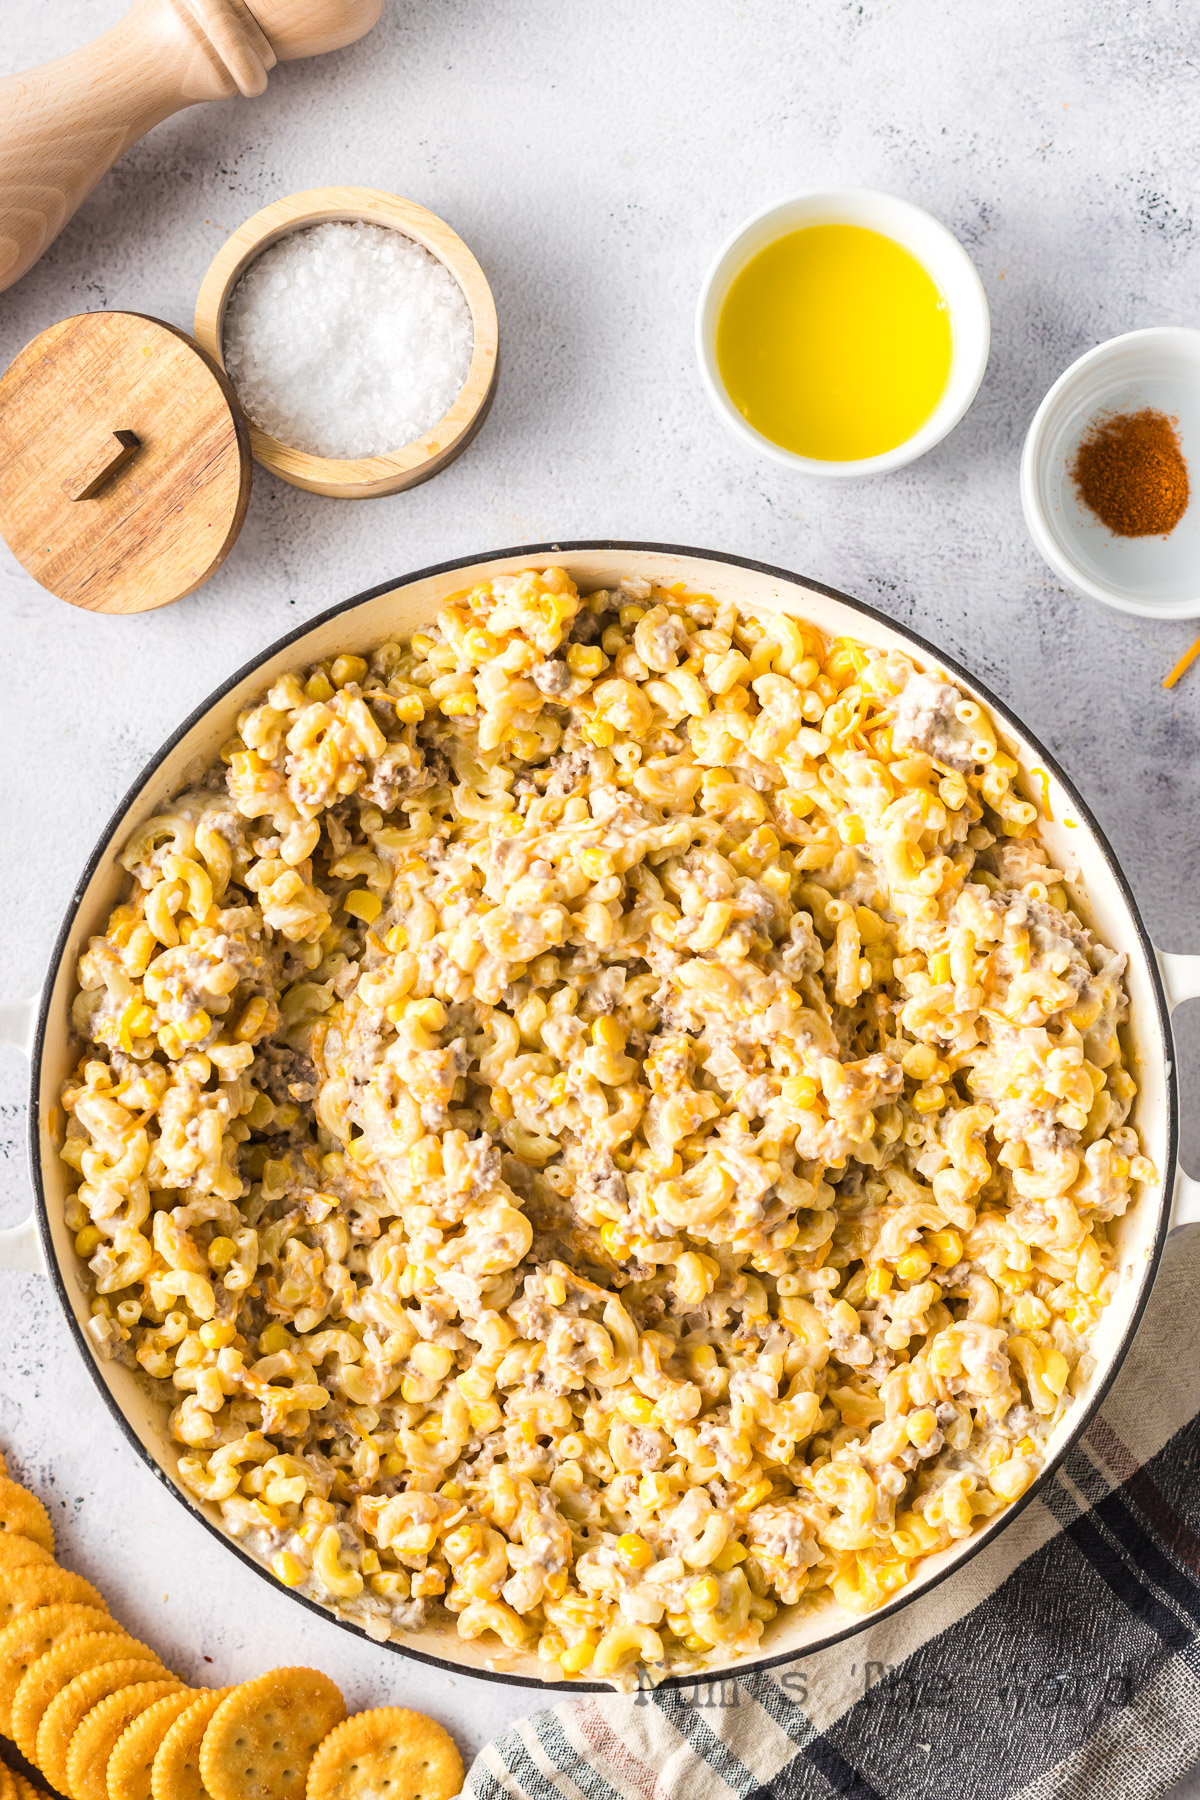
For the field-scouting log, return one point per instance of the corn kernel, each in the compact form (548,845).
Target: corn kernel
(457,706)
(921,1427)
(939,967)
(637,1409)
(946,1247)
(654,1491)
(919,1061)
(595,863)
(703,1595)
(217,1333)
(429,1013)
(318,686)
(608,1034)
(629,615)
(371,1564)
(729,1558)
(1030,1313)
(879,1281)
(914,1265)
(288,1569)
(1008,1480)
(612,1237)
(586,660)
(1055,1370)
(634,1551)
(392,1584)
(800,1090)
(221,1252)
(346,669)
(853,830)
(577,1658)
(274,1339)
(693,1641)
(425,1159)
(88,1241)
(254,1016)
(929,1099)
(362,904)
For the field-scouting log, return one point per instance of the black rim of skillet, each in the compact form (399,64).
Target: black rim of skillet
(535,552)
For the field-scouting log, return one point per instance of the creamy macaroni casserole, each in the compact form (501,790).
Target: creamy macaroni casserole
(601,1122)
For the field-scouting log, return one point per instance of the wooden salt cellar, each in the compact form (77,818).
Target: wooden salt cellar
(362,477)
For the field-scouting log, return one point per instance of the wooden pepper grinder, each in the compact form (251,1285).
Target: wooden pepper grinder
(63,125)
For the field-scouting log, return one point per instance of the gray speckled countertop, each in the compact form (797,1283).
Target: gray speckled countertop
(594,158)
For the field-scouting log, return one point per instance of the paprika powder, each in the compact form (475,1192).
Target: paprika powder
(1129,469)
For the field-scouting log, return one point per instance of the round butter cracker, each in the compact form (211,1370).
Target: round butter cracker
(8,1784)
(46,1678)
(16,1551)
(27,1791)
(22,1512)
(389,1753)
(176,1771)
(42,1584)
(132,1762)
(261,1739)
(68,1709)
(100,1732)
(31,1636)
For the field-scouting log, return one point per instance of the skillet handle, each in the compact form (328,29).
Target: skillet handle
(1181,979)
(20,1248)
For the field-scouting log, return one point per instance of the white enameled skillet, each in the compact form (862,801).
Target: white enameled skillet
(1156,983)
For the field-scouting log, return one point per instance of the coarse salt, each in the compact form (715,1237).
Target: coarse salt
(347,340)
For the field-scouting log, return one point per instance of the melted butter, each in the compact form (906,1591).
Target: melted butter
(835,342)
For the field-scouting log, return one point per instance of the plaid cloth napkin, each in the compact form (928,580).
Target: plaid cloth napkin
(1062,1661)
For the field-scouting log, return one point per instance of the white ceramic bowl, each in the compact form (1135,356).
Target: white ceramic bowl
(1157,577)
(929,241)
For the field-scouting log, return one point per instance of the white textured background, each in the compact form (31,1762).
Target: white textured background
(594,157)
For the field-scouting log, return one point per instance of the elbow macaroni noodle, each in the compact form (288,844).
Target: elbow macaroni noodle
(602,1122)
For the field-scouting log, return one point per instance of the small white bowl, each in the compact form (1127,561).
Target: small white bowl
(1155,577)
(931,244)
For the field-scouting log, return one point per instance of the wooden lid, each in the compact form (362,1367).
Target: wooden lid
(124,462)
